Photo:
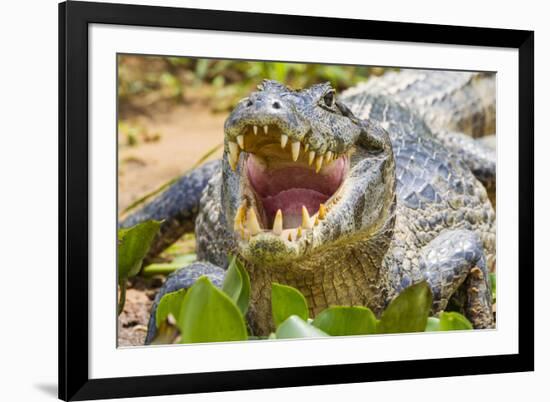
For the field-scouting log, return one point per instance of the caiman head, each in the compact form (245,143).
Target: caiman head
(302,172)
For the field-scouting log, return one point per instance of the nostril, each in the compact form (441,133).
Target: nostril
(276,105)
(249,103)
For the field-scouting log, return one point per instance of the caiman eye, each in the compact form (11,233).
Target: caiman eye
(328,98)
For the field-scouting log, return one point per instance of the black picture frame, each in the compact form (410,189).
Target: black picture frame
(74,19)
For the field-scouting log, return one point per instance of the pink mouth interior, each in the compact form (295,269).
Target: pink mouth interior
(290,186)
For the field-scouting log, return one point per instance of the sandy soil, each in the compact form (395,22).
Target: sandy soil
(186,133)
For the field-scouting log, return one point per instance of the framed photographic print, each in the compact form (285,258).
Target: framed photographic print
(258,200)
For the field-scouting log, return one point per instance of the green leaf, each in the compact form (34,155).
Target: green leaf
(287,301)
(237,284)
(133,245)
(453,321)
(209,315)
(166,268)
(432,324)
(408,312)
(295,327)
(169,304)
(493,280)
(340,321)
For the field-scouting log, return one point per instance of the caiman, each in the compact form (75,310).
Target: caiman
(349,199)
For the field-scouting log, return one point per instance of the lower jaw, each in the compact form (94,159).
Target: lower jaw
(330,277)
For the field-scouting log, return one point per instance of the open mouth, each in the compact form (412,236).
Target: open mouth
(288,188)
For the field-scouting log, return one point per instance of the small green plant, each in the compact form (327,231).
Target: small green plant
(133,245)
(204,313)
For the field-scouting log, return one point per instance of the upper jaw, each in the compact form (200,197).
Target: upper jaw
(297,140)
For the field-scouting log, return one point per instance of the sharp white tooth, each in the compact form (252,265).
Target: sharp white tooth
(285,234)
(233,154)
(318,163)
(299,232)
(306,147)
(306,221)
(311,157)
(252,222)
(255,128)
(322,211)
(278,223)
(284,140)
(265,129)
(240,141)
(328,157)
(295,150)
(315,220)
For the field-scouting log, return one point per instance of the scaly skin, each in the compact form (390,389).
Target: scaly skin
(409,210)
(460,101)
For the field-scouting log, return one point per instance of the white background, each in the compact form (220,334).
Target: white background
(28,158)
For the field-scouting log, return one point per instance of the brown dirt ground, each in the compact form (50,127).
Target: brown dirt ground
(186,132)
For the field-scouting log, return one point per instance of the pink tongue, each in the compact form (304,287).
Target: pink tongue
(290,203)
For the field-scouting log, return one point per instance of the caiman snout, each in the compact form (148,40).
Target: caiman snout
(259,101)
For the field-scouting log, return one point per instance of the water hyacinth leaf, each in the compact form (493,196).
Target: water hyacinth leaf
(287,301)
(233,282)
(432,324)
(209,315)
(169,304)
(341,321)
(237,284)
(133,245)
(296,327)
(453,321)
(408,312)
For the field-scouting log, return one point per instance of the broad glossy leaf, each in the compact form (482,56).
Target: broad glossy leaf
(133,245)
(408,312)
(295,327)
(453,321)
(237,284)
(341,320)
(209,315)
(169,304)
(287,301)
(432,324)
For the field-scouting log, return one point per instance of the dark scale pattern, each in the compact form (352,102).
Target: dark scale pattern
(214,236)
(437,191)
(459,101)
